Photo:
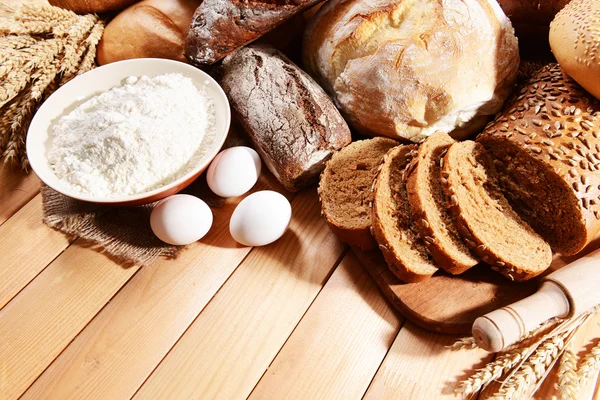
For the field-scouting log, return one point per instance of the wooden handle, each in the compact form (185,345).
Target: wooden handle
(571,290)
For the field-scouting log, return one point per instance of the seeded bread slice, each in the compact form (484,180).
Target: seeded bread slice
(345,190)
(484,217)
(393,226)
(433,221)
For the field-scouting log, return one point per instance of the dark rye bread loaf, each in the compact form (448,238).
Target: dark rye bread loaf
(546,149)
(345,190)
(484,218)
(393,225)
(222,26)
(292,122)
(429,210)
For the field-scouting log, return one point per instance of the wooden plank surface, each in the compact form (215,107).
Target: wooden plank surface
(337,347)
(27,246)
(16,189)
(232,342)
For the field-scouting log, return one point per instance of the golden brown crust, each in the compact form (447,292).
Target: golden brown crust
(91,6)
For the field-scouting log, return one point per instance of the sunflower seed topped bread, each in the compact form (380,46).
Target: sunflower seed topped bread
(429,210)
(484,217)
(345,190)
(546,149)
(393,225)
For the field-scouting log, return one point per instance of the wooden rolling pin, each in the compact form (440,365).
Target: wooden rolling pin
(570,291)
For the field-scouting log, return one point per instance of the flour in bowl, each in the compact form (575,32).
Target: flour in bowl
(134,138)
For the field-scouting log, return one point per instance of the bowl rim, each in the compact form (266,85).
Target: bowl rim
(220,137)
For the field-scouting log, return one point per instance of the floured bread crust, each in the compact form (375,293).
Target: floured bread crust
(408,68)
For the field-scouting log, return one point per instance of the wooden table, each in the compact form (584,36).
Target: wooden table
(299,318)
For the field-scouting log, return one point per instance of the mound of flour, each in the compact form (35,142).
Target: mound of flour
(133,138)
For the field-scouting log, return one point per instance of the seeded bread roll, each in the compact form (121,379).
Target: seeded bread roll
(484,217)
(345,190)
(575,42)
(291,121)
(546,148)
(393,225)
(429,210)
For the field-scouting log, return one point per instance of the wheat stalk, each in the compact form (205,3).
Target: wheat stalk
(567,376)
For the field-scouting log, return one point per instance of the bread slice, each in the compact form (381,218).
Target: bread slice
(429,210)
(393,226)
(484,217)
(345,190)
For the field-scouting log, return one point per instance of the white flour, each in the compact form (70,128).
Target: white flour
(133,138)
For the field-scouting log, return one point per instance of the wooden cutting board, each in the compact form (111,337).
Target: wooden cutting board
(449,304)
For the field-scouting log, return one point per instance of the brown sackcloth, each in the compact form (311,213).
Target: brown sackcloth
(122,233)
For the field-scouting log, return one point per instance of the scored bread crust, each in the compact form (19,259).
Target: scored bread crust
(357,236)
(432,220)
(408,260)
(455,186)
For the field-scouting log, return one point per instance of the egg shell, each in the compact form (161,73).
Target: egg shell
(181,219)
(260,218)
(233,171)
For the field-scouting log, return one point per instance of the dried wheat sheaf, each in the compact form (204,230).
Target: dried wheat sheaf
(41,48)
(518,371)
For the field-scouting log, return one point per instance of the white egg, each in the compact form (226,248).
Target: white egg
(233,171)
(260,218)
(181,219)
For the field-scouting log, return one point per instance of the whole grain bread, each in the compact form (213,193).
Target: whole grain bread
(546,149)
(393,225)
(429,208)
(345,190)
(222,26)
(484,218)
(292,122)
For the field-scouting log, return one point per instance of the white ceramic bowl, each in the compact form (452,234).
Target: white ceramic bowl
(99,80)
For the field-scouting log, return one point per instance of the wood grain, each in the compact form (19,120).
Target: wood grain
(16,189)
(27,246)
(337,347)
(232,342)
(119,349)
(419,366)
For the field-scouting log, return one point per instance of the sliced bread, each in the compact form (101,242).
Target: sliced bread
(393,226)
(345,190)
(484,217)
(433,221)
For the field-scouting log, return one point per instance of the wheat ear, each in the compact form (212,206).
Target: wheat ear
(567,377)
(590,365)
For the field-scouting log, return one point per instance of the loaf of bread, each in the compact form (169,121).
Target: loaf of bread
(393,226)
(345,190)
(575,42)
(546,147)
(91,6)
(484,217)
(292,122)
(221,26)
(150,28)
(408,68)
(429,207)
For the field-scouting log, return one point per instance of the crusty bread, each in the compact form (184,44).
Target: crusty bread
(484,217)
(429,209)
(91,6)
(150,28)
(546,146)
(575,42)
(345,190)
(409,68)
(393,225)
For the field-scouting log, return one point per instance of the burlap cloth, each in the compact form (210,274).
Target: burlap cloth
(122,233)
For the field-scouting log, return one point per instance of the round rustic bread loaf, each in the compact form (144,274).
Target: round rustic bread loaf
(429,210)
(575,42)
(345,190)
(409,68)
(484,217)
(393,224)
(546,146)
(91,6)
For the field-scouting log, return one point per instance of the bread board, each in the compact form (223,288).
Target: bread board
(450,304)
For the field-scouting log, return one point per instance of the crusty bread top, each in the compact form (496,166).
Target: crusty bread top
(407,68)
